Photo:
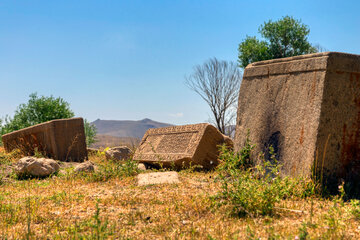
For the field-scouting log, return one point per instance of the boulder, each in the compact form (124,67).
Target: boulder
(182,146)
(87,166)
(120,153)
(36,167)
(62,139)
(308,109)
(141,167)
(158,178)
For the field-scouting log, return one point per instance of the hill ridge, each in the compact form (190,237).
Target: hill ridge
(126,128)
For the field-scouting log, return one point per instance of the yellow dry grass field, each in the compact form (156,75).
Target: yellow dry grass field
(112,206)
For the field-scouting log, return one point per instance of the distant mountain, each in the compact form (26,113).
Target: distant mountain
(104,141)
(132,129)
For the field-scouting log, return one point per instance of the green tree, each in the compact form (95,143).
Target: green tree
(283,38)
(41,109)
(90,132)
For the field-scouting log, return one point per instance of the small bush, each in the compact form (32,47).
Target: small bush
(254,190)
(41,109)
(355,208)
(232,161)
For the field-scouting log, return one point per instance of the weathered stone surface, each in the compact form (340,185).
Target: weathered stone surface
(118,153)
(308,108)
(157,178)
(36,167)
(180,146)
(62,139)
(87,166)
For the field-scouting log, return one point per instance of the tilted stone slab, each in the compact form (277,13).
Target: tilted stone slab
(181,146)
(62,139)
(308,108)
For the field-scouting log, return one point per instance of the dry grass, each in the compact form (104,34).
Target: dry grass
(103,141)
(77,207)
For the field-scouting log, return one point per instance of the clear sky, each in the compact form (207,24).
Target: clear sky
(126,60)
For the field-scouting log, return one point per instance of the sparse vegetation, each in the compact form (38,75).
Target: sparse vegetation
(90,133)
(255,190)
(109,204)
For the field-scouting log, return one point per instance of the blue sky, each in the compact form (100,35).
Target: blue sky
(128,59)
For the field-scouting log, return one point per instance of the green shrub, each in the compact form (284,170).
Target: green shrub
(90,132)
(111,169)
(234,161)
(42,109)
(255,190)
(355,208)
(37,110)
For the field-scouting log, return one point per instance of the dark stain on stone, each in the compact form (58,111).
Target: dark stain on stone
(350,149)
(335,103)
(301,140)
(275,140)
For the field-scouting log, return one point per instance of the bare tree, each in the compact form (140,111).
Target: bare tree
(218,83)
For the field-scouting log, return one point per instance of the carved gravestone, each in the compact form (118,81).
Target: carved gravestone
(306,107)
(181,146)
(62,139)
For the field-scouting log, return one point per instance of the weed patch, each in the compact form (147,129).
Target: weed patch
(112,169)
(255,191)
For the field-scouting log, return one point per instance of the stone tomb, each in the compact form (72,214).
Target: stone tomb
(180,146)
(308,108)
(62,139)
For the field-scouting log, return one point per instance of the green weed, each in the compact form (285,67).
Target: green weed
(99,228)
(112,169)
(255,190)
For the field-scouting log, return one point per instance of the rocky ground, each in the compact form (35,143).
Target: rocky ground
(109,204)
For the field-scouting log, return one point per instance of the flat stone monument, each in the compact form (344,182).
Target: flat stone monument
(308,108)
(62,139)
(158,178)
(181,146)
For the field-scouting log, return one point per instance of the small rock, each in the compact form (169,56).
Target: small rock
(36,167)
(141,167)
(184,222)
(157,178)
(118,153)
(87,166)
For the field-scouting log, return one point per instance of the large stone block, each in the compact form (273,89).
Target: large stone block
(181,146)
(62,139)
(308,108)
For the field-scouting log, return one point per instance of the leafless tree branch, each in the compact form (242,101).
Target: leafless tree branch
(218,83)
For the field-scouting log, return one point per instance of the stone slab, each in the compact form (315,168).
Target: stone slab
(181,146)
(158,178)
(62,139)
(308,108)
